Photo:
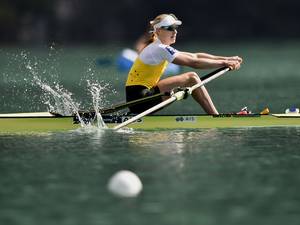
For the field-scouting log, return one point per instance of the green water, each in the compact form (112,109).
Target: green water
(216,176)
(211,176)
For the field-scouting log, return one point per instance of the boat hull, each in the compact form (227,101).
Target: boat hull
(196,122)
(27,125)
(52,123)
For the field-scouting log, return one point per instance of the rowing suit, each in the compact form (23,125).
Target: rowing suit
(146,72)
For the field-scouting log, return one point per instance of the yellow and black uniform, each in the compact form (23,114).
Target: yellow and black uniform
(146,72)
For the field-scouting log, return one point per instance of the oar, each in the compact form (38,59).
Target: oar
(176,96)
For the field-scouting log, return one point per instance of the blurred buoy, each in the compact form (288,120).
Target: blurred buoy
(266,111)
(125,184)
(292,110)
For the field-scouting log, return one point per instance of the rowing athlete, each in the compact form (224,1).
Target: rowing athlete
(144,78)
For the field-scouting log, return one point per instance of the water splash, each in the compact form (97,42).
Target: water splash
(35,81)
(63,102)
(57,98)
(96,91)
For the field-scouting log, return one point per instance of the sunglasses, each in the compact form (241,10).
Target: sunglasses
(170,28)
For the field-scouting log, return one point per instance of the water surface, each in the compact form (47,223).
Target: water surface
(227,176)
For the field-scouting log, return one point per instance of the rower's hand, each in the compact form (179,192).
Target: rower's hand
(235,58)
(234,62)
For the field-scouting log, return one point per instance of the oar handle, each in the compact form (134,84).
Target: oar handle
(214,72)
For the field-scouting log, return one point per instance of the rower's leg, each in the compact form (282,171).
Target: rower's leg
(187,80)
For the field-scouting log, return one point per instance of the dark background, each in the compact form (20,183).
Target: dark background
(97,21)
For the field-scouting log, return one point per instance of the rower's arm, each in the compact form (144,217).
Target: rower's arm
(190,59)
(215,57)
(203,55)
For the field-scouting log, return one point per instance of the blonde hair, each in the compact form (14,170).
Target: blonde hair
(160,17)
(157,20)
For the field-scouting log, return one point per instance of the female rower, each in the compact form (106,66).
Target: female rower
(144,76)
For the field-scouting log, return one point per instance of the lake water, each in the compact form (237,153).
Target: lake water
(201,176)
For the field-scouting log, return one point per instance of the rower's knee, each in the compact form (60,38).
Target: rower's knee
(192,78)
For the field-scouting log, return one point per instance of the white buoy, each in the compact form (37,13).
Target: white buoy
(125,184)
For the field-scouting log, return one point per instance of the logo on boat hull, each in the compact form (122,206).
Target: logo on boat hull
(125,118)
(185,119)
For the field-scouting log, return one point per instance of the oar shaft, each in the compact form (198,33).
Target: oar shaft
(213,73)
(208,78)
(153,109)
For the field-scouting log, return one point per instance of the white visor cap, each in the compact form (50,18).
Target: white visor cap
(167,21)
